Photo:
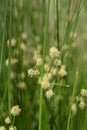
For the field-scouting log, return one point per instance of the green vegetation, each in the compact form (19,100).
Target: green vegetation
(43,65)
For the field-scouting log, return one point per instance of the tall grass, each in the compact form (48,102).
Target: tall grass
(28,32)
(42,69)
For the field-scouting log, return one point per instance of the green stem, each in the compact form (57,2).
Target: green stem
(3,39)
(57,13)
(69,23)
(68,11)
(42,70)
(72,99)
(9,66)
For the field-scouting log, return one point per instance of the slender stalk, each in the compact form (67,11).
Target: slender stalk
(69,23)
(43,16)
(9,67)
(45,36)
(42,70)
(57,14)
(72,99)
(68,11)
(22,11)
(3,39)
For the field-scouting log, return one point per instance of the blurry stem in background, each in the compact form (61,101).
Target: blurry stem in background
(69,24)
(43,16)
(3,38)
(72,100)
(78,10)
(42,69)
(9,66)
(68,11)
(22,13)
(57,24)
(72,23)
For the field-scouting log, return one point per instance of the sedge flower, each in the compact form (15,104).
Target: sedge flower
(54,53)
(2,128)
(45,84)
(13,128)
(7,120)
(15,110)
(49,93)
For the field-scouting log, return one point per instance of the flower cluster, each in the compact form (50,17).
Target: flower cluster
(52,67)
(13,42)
(33,72)
(62,72)
(49,93)
(13,128)
(82,99)
(2,128)
(54,53)
(15,111)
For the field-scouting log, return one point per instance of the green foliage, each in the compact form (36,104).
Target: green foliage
(28,28)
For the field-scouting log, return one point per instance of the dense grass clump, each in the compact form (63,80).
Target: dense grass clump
(43,65)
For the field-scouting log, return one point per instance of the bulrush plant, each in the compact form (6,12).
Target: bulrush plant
(43,65)
(52,67)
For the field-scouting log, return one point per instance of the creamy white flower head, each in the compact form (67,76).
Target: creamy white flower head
(15,110)
(49,93)
(13,128)
(2,128)
(57,62)
(84,92)
(82,104)
(22,85)
(23,47)
(36,72)
(73,108)
(62,72)
(7,120)
(47,76)
(24,36)
(63,66)
(13,61)
(45,84)
(32,72)
(38,61)
(54,53)
(13,42)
